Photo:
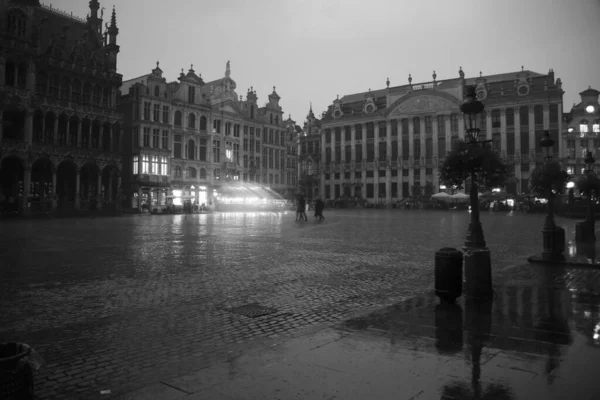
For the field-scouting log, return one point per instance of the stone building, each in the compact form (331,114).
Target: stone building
(309,157)
(60,132)
(386,144)
(293,133)
(209,137)
(581,132)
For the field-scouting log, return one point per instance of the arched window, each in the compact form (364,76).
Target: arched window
(192,173)
(9,74)
(65,90)
(177,121)
(17,23)
(41,83)
(156,91)
(177,171)
(192,121)
(191,150)
(203,123)
(76,91)
(202,173)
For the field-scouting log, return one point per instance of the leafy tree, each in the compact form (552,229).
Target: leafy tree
(547,176)
(588,184)
(491,169)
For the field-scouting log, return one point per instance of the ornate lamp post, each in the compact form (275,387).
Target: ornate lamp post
(478,266)
(472,109)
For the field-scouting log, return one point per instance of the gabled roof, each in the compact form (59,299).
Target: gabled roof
(126,85)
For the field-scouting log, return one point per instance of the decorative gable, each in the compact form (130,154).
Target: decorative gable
(424,104)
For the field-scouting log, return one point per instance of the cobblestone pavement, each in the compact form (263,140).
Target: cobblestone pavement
(121,303)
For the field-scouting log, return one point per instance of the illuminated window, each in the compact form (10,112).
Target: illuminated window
(570,170)
(583,127)
(596,127)
(136,165)
(163,166)
(145,164)
(155,165)
(228,154)
(582,171)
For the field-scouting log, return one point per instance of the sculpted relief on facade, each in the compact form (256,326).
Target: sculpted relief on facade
(424,104)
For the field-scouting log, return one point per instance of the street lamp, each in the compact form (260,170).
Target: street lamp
(478,266)
(590,220)
(472,109)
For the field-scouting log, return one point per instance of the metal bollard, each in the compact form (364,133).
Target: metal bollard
(448,274)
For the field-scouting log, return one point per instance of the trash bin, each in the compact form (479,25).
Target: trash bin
(448,274)
(17,363)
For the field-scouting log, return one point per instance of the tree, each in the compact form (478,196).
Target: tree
(547,177)
(588,184)
(491,169)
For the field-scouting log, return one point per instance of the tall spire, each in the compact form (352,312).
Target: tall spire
(112,30)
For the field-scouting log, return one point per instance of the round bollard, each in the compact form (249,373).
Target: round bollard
(448,274)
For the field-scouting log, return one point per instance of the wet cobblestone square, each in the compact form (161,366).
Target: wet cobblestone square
(120,303)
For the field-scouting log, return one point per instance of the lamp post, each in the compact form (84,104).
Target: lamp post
(478,268)
(590,219)
(472,109)
(553,236)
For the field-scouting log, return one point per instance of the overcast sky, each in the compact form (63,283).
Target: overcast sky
(312,50)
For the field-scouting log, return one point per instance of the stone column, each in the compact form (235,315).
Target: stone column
(101,137)
(411,154)
(376,157)
(488,125)
(2,69)
(461,126)
(353,145)
(31,76)
(26,189)
(1,120)
(110,185)
(55,131)
(28,126)
(532,143)
(388,163)
(448,134)
(503,132)
(53,195)
(79,124)
(78,189)
(99,196)
(561,145)
(89,133)
(423,141)
(363,189)
(517,117)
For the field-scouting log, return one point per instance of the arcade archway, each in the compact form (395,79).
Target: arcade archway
(89,182)
(41,183)
(110,183)
(11,179)
(66,183)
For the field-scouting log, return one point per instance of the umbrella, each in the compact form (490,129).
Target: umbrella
(440,195)
(460,196)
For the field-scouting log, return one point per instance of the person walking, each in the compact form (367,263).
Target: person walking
(319,207)
(301,209)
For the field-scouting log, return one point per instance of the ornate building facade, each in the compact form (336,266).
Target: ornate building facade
(581,132)
(205,134)
(309,157)
(387,144)
(60,133)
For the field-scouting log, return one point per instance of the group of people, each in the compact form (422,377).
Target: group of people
(301,209)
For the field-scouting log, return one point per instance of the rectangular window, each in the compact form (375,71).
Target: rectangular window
(145,164)
(156,113)
(155,170)
(146,137)
(165,119)
(236,153)
(136,165)
(136,137)
(454,123)
(216,151)
(163,166)
(359,155)
(245,144)
(370,151)
(496,119)
(441,124)
(428,125)
(156,138)
(510,117)
(177,146)
(147,110)
(257,149)
(165,139)
(202,148)
(394,150)
(191,94)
